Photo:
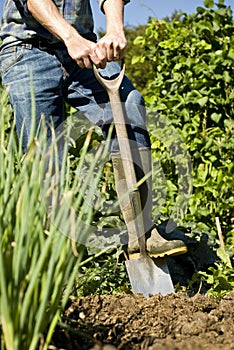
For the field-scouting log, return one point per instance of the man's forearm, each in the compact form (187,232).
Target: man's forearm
(114,10)
(47,14)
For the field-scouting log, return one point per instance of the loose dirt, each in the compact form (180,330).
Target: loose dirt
(132,322)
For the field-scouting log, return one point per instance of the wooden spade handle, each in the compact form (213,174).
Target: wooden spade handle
(112,87)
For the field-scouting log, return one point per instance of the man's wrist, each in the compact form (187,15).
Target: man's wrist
(69,35)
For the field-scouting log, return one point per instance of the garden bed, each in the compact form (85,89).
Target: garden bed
(131,322)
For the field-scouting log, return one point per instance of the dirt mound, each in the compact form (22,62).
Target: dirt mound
(131,322)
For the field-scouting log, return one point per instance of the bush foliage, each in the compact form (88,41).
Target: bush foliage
(191,85)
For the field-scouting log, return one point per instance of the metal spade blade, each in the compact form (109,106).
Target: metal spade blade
(149,277)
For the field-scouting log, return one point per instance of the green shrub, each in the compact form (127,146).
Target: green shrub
(191,86)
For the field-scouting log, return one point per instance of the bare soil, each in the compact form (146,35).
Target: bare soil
(132,322)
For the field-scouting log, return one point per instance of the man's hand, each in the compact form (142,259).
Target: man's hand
(111,47)
(114,42)
(82,51)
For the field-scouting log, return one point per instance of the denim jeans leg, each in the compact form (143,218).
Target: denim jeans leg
(31,75)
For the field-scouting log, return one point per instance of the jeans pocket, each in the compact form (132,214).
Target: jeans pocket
(10,56)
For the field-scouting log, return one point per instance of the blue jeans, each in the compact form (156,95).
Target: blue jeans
(56,79)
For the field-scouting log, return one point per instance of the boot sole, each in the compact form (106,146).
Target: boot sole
(171,252)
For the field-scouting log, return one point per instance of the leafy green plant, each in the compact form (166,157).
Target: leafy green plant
(104,275)
(191,85)
(219,279)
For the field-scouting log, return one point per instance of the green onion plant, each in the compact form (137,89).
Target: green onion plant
(43,217)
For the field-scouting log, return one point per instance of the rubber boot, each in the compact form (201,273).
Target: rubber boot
(156,245)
